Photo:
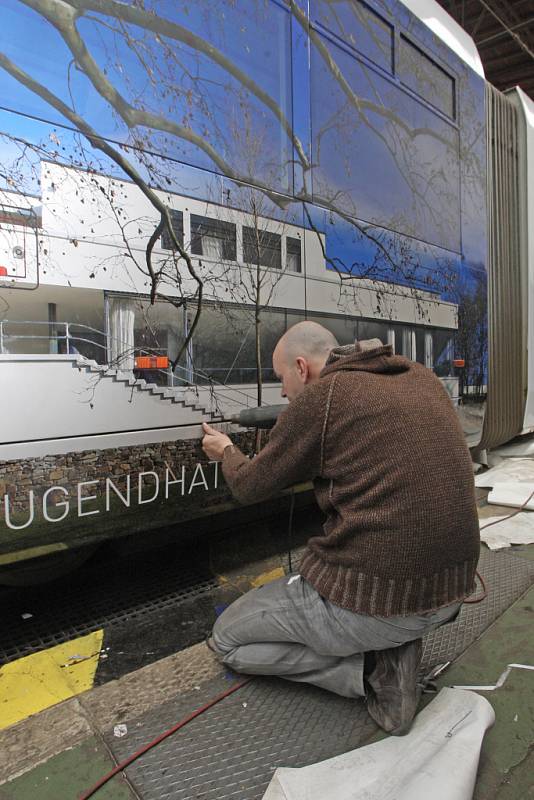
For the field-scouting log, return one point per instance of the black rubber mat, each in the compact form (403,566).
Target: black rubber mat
(232,750)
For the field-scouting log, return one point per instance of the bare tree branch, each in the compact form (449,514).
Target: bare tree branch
(62,17)
(359,103)
(164,27)
(104,146)
(149,248)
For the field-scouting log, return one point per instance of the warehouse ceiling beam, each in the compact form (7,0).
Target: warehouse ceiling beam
(505,12)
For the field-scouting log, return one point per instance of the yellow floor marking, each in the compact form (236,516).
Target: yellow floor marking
(41,680)
(32,552)
(267,577)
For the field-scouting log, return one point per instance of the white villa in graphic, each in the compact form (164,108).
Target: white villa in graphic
(76,319)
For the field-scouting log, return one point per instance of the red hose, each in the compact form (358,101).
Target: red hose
(484,591)
(233,689)
(496,522)
(159,739)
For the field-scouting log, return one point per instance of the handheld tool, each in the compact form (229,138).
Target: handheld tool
(262,417)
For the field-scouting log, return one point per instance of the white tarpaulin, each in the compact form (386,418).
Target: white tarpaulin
(513,470)
(514,495)
(438,759)
(516,530)
(523,448)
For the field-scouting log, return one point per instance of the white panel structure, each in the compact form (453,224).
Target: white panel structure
(20,221)
(526,156)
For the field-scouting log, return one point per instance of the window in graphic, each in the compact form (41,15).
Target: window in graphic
(177,219)
(442,347)
(425,77)
(293,259)
(213,238)
(358,26)
(262,247)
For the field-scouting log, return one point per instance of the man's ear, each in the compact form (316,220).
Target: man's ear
(303,369)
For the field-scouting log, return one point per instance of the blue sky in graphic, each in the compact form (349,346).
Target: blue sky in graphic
(258,38)
(228,111)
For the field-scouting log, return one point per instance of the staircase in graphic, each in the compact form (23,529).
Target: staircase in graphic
(183,396)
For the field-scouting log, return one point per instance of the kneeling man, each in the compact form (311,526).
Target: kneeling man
(380,439)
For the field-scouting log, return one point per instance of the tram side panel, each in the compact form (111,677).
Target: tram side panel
(372,223)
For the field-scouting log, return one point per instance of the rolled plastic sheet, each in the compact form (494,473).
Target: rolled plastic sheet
(437,759)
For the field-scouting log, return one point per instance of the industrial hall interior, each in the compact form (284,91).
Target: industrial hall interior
(267,400)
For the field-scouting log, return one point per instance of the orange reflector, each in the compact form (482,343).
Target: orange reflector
(3,271)
(151,362)
(459,362)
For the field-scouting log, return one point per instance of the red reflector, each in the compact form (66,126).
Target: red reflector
(3,271)
(151,362)
(459,362)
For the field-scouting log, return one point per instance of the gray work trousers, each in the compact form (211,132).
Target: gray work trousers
(286,628)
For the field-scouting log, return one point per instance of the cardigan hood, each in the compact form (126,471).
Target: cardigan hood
(368,355)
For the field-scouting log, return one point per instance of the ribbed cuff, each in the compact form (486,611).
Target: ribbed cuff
(232,460)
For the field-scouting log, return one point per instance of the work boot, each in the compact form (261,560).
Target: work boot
(393,694)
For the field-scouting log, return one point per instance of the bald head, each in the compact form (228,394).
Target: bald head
(308,339)
(300,355)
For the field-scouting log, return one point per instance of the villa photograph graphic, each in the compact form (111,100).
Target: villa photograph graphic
(185,187)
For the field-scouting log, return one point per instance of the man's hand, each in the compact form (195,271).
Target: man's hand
(214,442)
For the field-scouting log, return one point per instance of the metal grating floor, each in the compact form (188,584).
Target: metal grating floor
(506,577)
(236,746)
(231,751)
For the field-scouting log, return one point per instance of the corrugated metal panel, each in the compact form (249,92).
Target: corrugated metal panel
(507,280)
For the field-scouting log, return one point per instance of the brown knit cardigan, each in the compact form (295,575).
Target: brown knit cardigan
(382,442)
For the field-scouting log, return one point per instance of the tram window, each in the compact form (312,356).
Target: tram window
(293,259)
(442,348)
(369,329)
(263,247)
(420,345)
(213,238)
(360,27)
(425,77)
(272,327)
(177,219)
(224,345)
(404,341)
(343,328)
(382,154)
(293,317)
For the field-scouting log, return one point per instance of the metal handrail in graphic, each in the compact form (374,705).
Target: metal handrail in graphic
(70,338)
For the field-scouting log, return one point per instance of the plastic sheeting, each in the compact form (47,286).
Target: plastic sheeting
(437,759)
